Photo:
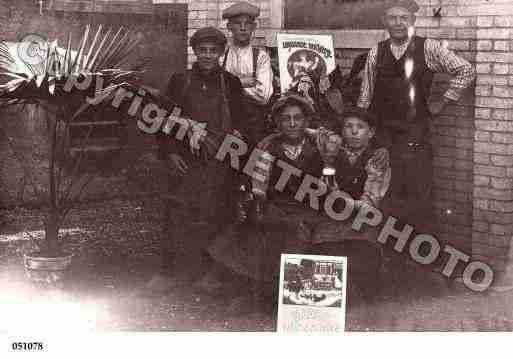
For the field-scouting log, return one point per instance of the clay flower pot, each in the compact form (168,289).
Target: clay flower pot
(47,271)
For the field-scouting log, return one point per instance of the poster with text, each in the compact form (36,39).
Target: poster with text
(301,55)
(312,296)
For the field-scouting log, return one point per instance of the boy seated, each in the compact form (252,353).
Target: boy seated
(363,171)
(281,223)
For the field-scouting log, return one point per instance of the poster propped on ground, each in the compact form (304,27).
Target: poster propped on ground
(304,54)
(312,296)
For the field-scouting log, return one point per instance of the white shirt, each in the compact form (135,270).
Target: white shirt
(240,63)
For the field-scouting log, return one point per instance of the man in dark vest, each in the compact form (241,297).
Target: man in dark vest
(198,201)
(396,88)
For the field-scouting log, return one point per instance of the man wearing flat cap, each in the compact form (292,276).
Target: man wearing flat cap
(251,64)
(396,88)
(210,96)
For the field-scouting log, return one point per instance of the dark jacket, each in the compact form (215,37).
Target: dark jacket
(200,97)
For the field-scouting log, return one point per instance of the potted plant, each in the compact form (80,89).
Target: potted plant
(43,84)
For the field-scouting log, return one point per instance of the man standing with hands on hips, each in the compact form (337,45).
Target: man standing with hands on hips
(396,89)
(251,64)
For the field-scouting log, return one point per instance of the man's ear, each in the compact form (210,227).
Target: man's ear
(372,131)
(413,19)
(229,25)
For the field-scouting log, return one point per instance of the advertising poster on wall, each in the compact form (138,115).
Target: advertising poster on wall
(301,55)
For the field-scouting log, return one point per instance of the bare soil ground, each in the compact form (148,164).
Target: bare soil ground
(115,244)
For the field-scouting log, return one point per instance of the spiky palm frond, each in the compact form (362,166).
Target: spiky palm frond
(97,56)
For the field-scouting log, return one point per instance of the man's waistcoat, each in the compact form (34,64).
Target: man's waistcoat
(399,102)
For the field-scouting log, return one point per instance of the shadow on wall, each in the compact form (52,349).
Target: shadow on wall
(333,14)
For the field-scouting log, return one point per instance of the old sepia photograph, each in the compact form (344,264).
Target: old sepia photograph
(259,166)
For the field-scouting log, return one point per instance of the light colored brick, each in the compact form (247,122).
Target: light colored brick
(481,204)
(482,136)
(490,171)
(500,69)
(488,125)
(492,148)
(501,229)
(502,137)
(482,158)
(492,80)
(502,91)
(503,21)
(503,57)
(466,33)
(480,226)
(484,45)
(490,193)
(486,8)
(483,113)
(502,114)
(483,90)
(485,21)
(459,45)
(457,21)
(501,45)
(500,206)
(504,160)
(494,102)
(493,33)
(197,5)
(441,33)
(481,180)
(501,183)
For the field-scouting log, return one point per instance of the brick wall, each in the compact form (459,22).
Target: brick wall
(454,130)
(474,162)
(209,13)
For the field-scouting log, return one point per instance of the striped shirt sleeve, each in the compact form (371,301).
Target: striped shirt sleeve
(379,174)
(369,76)
(441,59)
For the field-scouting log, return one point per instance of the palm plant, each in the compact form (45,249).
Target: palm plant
(47,84)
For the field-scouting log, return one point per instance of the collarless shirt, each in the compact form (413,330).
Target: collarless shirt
(240,63)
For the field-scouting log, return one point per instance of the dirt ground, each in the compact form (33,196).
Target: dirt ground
(115,246)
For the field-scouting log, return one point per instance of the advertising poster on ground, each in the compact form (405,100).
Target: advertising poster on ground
(312,295)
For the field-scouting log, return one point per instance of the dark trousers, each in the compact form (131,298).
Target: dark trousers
(197,206)
(412,175)
(255,121)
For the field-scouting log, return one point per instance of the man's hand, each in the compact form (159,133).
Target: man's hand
(178,163)
(324,83)
(197,135)
(248,81)
(381,158)
(437,106)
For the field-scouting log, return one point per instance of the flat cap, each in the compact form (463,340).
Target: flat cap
(208,34)
(409,5)
(241,8)
(293,98)
(359,113)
